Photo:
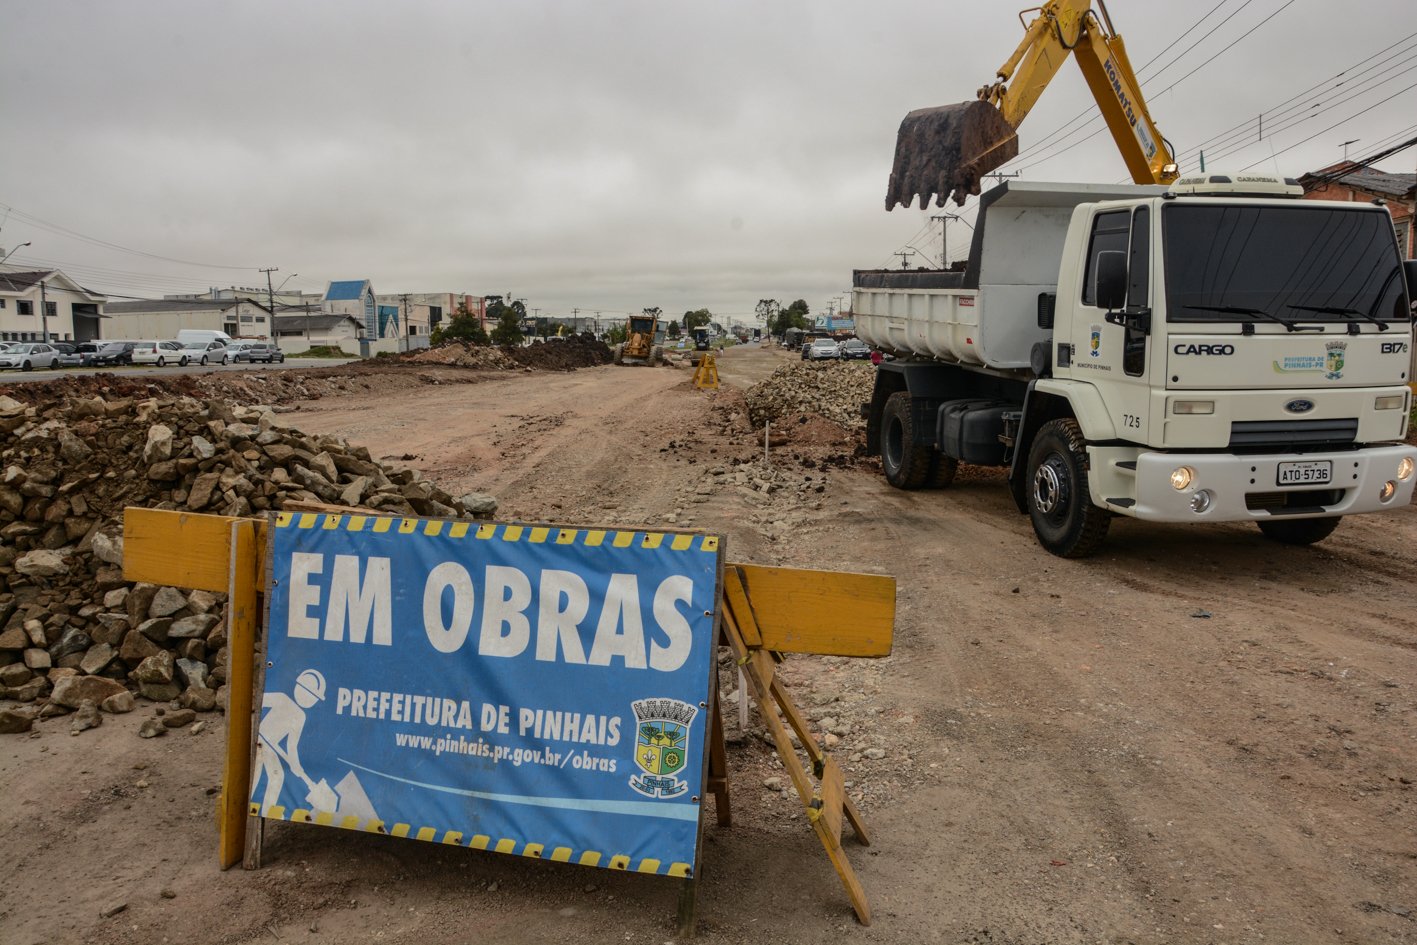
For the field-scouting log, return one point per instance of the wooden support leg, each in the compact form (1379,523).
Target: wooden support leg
(242,617)
(689,907)
(814,752)
(718,770)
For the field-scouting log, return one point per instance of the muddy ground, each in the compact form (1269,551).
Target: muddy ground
(1197,736)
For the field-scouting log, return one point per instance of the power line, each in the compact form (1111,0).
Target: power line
(65,231)
(1331,127)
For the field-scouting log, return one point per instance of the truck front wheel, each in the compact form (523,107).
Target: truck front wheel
(906,463)
(1064,518)
(1299,531)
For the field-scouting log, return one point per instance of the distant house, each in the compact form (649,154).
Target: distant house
(318,329)
(164,318)
(41,304)
(1349,182)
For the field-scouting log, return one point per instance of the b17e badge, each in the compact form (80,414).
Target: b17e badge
(661,745)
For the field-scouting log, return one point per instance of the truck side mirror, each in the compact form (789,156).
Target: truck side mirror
(1409,268)
(1112,279)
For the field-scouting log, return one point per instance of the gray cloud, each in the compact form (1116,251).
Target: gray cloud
(606,155)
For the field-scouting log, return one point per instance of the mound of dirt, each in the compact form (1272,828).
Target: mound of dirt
(562,354)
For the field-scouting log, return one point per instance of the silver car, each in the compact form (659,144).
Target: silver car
(29,355)
(206,352)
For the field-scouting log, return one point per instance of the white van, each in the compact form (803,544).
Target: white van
(188,335)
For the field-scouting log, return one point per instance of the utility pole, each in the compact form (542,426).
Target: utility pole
(944,219)
(404,298)
(270,297)
(1345,145)
(43,313)
(904,255)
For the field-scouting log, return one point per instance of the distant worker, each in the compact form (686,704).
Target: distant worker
(876,356)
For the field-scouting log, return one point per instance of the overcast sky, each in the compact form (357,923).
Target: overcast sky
(601,154)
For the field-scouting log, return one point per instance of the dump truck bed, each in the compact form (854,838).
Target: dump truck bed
(987,314)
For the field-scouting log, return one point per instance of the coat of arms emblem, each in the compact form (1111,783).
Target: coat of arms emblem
(661,745)
(1333,364)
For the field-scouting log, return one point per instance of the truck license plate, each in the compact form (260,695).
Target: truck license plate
(1305,474)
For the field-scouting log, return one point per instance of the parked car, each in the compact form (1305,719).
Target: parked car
(68,354)
(854,349)
(255,351)
(161,353)
(29,355)
(267,352)
(207,352)
(107,353)
(822,349)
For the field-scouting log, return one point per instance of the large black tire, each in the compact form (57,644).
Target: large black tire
(906,463)
(620,354)
(942,471)
(1299,531)
(1064,518)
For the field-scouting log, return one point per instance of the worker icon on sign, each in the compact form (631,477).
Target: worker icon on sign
(281,727)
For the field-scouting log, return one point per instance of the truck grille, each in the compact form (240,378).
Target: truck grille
(1249,434)
(1303,500)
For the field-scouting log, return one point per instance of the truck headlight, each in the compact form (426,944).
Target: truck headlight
(1388,490)
(1201,500)
(1389,402)
(1193,407)
(1181,477)
(1404,469)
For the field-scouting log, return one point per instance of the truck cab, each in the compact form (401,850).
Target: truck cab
(1216,350)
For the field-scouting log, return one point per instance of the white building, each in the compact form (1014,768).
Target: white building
(164,318)
(318,329)
(45,304)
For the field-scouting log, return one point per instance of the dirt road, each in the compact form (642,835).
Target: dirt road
(1197,736)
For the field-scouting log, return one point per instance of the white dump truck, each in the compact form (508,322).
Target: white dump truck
(1213,351)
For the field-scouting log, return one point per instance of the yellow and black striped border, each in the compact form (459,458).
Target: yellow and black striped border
(614,861)
(490,531)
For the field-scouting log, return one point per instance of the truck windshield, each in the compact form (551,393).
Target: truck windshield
(1301,264)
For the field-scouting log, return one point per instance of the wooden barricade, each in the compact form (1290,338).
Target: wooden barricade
(766,612)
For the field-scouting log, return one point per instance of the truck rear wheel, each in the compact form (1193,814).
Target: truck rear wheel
(942,471)
(906,463)
(1299,531)
(1064,518)
(619,354)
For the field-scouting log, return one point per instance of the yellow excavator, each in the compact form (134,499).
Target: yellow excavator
(944,152)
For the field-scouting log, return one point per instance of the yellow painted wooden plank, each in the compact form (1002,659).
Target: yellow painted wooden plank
(735,597)
(243,550)
(182,549)
(830,613)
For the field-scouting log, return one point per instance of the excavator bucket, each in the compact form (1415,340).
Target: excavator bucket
(944,151)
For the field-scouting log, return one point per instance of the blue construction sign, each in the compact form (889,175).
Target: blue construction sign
(526,689)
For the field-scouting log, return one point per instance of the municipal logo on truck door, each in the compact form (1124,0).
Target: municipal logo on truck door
(1095,345)
(1333,364)
(661,745)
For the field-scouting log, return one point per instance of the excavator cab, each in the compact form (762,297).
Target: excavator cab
(944,152)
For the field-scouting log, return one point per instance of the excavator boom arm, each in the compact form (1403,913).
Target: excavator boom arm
(945,151)
(1071,26)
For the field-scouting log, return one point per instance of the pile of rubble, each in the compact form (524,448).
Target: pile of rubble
(460,354)
(73,633)
(834,390)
